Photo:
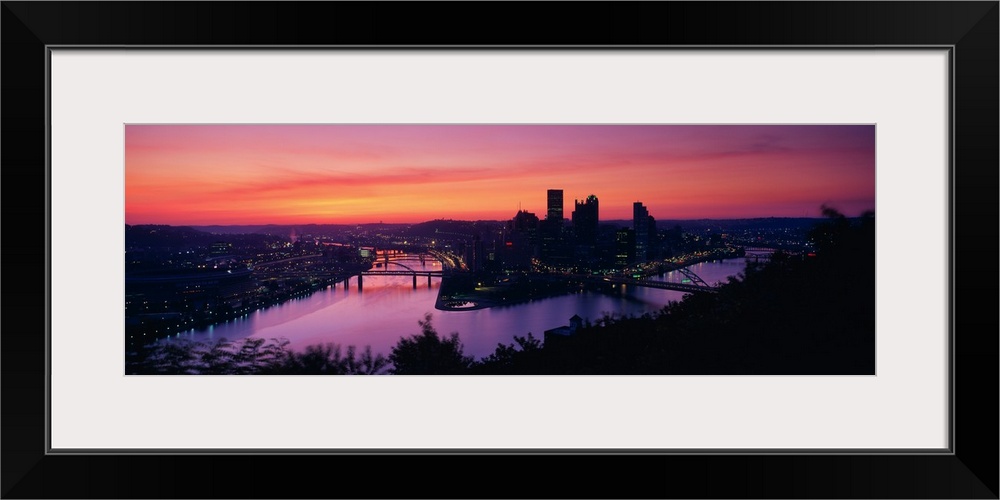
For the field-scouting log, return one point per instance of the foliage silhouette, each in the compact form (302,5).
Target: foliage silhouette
(428,354)
(251,356)
(510,358)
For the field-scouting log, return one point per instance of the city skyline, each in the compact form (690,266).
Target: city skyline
(353,174)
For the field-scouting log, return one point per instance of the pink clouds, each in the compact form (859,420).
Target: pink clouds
(250,174)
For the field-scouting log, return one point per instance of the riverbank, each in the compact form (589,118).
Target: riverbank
(271,290)
(466,292)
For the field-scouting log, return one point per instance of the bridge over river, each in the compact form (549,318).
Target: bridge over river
(406,271)
(693,284)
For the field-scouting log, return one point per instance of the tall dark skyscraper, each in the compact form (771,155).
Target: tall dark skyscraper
(640,224)
(553,243)
(624,247)
(555,205)
(585,218)
(522,240)
(653,241)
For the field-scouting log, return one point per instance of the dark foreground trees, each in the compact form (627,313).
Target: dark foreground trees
(251,356)
(429,354)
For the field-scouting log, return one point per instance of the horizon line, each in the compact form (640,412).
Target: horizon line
(465,220)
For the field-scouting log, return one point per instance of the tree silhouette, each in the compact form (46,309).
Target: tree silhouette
(429,354)
(252,356)
(510,358)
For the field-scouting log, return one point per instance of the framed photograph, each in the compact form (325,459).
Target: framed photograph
(415,221)
(212,178)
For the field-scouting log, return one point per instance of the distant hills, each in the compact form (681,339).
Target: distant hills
(278,229)
(460,226)
(737,224)
(163,236)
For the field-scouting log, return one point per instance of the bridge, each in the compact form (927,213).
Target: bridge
(690,275)
(406,271)
(392,254)
(696,285)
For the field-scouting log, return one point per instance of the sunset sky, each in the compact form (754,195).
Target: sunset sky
(333,174)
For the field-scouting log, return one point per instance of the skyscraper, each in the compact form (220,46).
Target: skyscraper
(653,243)
(624,247)
(523,221)
(555,205)
(522,241)
(585,218)
(550,230)
(640,224)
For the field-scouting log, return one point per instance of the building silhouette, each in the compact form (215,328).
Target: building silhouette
(555,205)
(624,247)
(521,241)
(524,222)
(653,239)
(554,334)
(585,218)
(555,249)
(640,224)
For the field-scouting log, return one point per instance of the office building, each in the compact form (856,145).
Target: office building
(555,205)
(640,224)
(585,218)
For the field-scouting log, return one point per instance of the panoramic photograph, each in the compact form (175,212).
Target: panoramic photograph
(499,249)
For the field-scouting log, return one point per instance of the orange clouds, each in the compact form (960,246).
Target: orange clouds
(249,174)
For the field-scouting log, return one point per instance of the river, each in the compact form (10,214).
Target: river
(388,308)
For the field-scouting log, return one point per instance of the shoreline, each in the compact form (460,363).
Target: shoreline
(464,293)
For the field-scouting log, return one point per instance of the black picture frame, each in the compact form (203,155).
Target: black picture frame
(970,28)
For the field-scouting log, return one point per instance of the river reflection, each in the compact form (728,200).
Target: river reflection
(388,308)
